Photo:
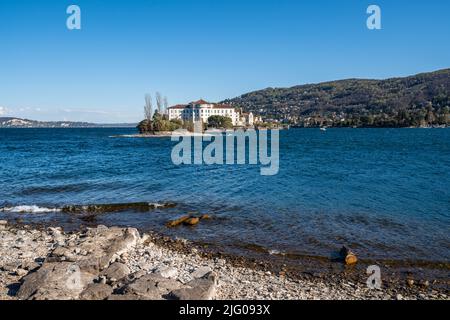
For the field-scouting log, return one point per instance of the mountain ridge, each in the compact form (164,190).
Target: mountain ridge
(420,99)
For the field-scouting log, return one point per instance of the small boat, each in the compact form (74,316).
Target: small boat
(323,129)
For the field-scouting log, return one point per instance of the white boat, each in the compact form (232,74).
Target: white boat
(323,129)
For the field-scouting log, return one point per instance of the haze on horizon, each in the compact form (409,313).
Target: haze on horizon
(206,49)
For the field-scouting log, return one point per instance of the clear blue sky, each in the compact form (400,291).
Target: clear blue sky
(195,49)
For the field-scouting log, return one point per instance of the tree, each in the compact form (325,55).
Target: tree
(220,122)
(159,102)
(148,109)
(165,105)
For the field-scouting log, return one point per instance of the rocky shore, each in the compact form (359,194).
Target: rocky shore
(121,264)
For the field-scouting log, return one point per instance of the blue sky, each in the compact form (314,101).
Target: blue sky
(195,49)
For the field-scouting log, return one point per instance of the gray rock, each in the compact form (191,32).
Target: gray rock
(152,287)
(55,281)
(201,272)
(125,297)
(21,272)
(199,289)
(96,291)
(167,272)
(101,247)
(11,266)
(30,266)
(116,271)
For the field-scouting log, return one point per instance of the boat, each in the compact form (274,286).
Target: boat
(323,129)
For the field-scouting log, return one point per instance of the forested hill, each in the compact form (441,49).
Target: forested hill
(423,99)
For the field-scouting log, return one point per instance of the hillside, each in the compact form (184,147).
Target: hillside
(11,122)
(423,99)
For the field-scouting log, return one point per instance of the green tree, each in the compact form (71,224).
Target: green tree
(220,122)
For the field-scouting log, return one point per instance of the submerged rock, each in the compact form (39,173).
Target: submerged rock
(116,207)
(191,221)
(177,222)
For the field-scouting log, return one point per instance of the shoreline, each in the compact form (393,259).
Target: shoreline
(26,249)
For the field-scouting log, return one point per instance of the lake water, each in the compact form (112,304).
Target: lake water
(383,192)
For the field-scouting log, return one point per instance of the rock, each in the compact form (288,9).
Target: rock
(201,272)
(177,222)
(105,246)
(167,272)
(116,271)
(30,266)
(55,281)
(21,272)
(348,256)
(399,297)
(96,291)
(152,287)
(124,297)
(191,221)
(199,289)
(54,231)
(351,259)
(410,282)
(11,267)
(205,217)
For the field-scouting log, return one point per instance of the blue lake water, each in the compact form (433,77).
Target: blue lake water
(384,192)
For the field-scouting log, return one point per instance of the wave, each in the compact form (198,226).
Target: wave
(29,209)
(91,208)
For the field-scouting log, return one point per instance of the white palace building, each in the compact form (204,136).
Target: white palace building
(201,110)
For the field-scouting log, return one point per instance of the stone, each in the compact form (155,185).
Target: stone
(116,271)
(55,281)
(177,222)
(205,217)
(105,246)
(198,289)
(21,272)
(96,291)
(167,272)
(410,282)
(351,259)
(348,256)
(30,266)
(152,287)
(54,231)
(3,222)
(124,297)
(201,272)
(11,267)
